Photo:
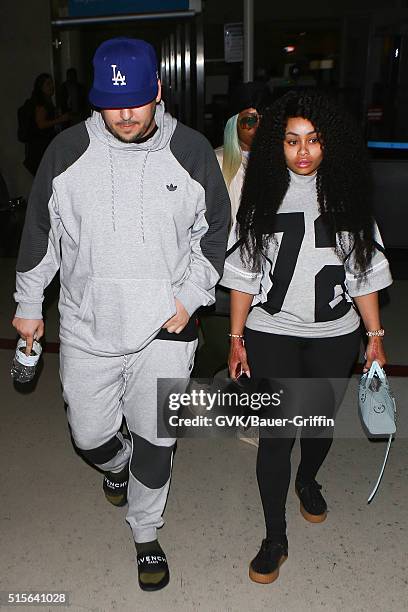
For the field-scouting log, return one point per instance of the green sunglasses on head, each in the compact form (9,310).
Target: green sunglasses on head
(249,121)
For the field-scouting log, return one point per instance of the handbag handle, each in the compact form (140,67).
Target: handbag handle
(376,369)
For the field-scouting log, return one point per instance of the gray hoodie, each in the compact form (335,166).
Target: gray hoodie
(131,226)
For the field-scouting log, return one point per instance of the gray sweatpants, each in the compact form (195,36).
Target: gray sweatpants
(100,391)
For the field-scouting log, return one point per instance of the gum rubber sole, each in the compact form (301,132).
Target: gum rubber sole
(312,518)
(266,578)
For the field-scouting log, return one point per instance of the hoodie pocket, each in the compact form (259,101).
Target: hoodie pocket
(119,316)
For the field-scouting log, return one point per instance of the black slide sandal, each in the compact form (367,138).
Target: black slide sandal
(152,563)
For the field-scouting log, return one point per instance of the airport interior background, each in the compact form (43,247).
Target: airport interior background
(358,51)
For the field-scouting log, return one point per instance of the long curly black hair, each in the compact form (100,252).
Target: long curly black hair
(343,181)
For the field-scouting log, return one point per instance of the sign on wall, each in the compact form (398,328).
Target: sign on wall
(90,8)
(234,42)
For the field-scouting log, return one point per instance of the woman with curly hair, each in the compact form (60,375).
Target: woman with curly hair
(305,263)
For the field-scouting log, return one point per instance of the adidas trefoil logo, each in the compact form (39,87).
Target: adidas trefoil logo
(171,187)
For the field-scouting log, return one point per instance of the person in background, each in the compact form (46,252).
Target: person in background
(247,103)
(45,122)
(4,194)
(305,266)
(72,97)
(12,213)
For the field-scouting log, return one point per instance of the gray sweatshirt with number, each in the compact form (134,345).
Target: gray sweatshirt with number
(304,289)
(131,226)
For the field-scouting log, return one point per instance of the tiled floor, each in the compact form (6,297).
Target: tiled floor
(58,533)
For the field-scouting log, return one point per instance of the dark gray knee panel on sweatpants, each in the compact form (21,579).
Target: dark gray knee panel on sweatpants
(103,453)
(150,464)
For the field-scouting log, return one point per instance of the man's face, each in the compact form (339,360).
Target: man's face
(131,124)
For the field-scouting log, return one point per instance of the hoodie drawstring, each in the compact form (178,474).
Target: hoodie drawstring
(112,189)
(141,195)
(141,192)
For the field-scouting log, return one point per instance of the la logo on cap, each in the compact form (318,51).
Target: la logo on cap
(117,76)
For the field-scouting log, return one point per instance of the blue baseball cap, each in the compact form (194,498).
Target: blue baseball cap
(125,74)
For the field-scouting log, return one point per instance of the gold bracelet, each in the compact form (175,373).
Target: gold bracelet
(236,336)
(379,333)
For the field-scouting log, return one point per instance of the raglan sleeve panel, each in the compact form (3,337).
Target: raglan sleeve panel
(39,254)
(378,275)
(210,230)
(236,274)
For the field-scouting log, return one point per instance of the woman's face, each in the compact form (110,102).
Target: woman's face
(48,87)
(302,149)
(247,124)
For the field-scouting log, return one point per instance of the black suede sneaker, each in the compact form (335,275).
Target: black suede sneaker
(264,568)
(313,506)
(115,486)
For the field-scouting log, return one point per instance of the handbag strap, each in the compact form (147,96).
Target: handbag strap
(377,484)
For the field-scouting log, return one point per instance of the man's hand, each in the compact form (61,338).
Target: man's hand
(237,361)
(374,352)
(178,321)
(29,330)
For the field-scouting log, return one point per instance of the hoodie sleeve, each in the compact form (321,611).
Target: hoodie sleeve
(210,229)
(39,254)
(377,276)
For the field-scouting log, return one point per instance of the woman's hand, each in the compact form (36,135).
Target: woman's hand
(237,361)
(374,352)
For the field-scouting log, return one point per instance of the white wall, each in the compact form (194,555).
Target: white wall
(25,52)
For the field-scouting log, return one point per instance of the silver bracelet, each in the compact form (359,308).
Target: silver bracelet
(375,333)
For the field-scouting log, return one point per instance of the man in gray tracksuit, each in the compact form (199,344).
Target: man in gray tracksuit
(132,208)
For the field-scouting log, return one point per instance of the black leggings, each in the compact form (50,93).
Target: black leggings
(271,355)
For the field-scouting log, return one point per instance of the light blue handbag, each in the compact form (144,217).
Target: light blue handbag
(378,410)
